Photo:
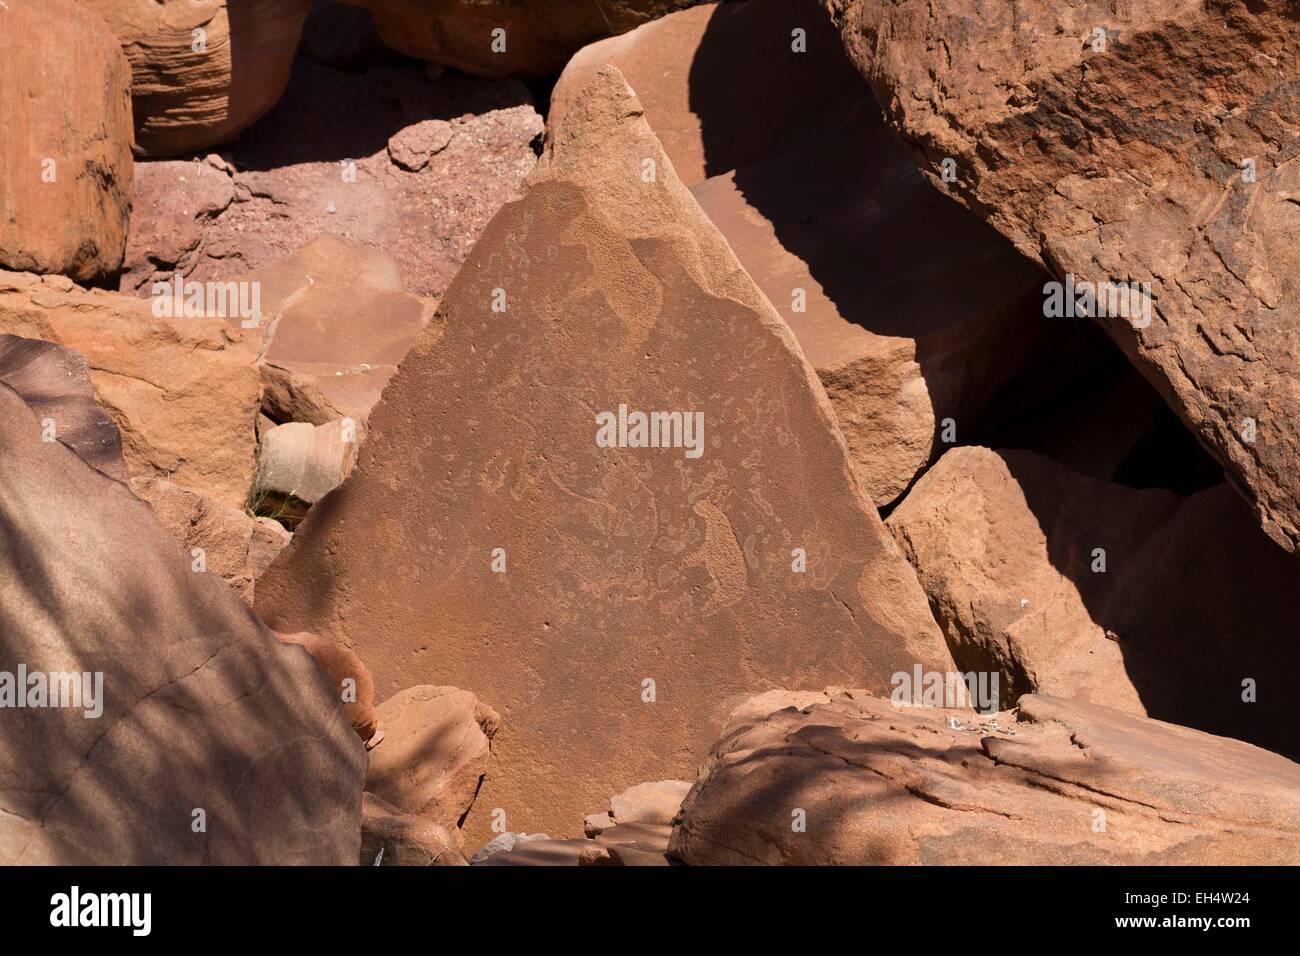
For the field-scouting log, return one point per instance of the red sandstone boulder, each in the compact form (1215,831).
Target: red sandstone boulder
(202,70)
(599,592)
(1131,143)
(857,781)
(914,314)
(1154,603)
(55,383)
(230,542)
(392,838)
(183,732)
(435,751)
(183,392)
(65,156)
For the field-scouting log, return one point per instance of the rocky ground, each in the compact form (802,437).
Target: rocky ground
(641,434)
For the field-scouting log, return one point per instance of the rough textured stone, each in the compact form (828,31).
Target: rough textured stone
(1193,601)
(623,565)
(911,310)
(435,751)
(655,802)
(336,322)
(320,164)
(1063,783)
(1125,160)
(306,462)
(201,707)
(652,803)
(183,392)
(392,838)
(349,680)
(539,35)
(55,383)
(202,69)
(234,544)
(65,157)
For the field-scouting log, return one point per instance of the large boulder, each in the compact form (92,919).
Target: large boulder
(606,595)
(1148,142)
(183,392)
(65,157)
(1142,600)
(435,751)
(202,70)
(521,38)
(55,383)
(385,157)
(855,780)
(161,723)
(912,311)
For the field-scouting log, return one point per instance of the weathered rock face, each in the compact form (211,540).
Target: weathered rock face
(55,383)
(335,323)
(302,462)
(349,680)
(911,310)
(202,70)
(435,751)
(1185,605)
(65,158)
(1151,145)
(183,392)
(855,780)
(392,838)
(328,160)
(233,544)
(196,707)
(630,580)
(536,38)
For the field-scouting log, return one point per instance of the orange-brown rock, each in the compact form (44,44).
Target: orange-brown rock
(607,598)
(335,323)
(175,729)
(65,156)
(327,160)
(392,838)
(535,37)
(231,543)
(202,70)
(913,312)
(1144,600)
(348,678)
(303,462)
(856,781)
(1146,142)
(55,383)
(435,751)
(183,392)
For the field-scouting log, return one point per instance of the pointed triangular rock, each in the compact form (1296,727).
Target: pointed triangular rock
(612,603)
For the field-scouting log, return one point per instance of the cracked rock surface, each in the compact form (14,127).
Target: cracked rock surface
(622,565)
(215,744)
(852,779)
(1127,160)
(411,167)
